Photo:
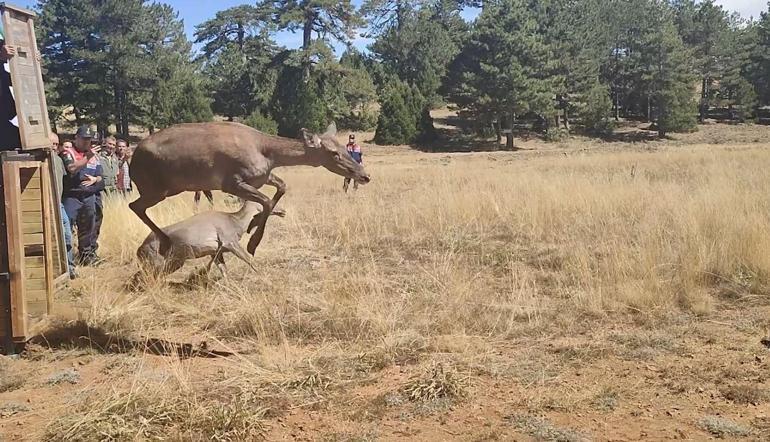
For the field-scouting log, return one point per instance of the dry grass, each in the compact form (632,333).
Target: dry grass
(463,249)
(440,262)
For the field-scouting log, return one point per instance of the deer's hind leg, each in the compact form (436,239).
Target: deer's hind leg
(236,249)
(248,192)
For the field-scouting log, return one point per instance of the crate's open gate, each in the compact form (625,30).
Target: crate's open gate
(32,253)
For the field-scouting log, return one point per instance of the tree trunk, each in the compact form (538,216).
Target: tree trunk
(704,101)
(649,108)
(126,122)
(617,106)
(307,39)
(566,119)
(509,133)
(509,141)
(498,132)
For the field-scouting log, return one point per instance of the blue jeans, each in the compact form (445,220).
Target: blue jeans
(82,212)
(67,229)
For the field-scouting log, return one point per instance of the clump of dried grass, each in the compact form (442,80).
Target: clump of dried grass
(153,412)
(722,427)
(438,382)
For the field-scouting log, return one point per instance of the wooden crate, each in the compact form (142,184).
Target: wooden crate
(33,258)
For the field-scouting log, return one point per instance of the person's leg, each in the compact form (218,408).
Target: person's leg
(86,221)
(67,229)
(72,208)
(98,218)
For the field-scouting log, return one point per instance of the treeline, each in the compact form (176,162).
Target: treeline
(549,63)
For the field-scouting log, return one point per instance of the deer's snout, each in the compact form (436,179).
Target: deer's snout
(364,179)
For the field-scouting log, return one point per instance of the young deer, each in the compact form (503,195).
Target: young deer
(205,234)
(230,157)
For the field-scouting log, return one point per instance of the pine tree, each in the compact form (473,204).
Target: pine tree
(238,54)
(704,27)
(759,68)
(669,75)
(507,67)
(396,124)
(418,48)
(298,103)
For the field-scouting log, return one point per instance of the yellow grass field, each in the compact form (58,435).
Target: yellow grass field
(582,290)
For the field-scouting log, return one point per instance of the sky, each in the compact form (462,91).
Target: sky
(194,12)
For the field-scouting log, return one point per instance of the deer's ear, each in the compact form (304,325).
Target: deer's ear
(311,140)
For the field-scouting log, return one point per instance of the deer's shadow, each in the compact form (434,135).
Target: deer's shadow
(79,335)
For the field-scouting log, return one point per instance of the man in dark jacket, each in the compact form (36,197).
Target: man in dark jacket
(81,187)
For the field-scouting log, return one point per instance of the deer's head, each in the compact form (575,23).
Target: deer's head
(332,155)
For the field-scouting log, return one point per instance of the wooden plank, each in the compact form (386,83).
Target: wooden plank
(31,206)
(33,185)
(33,239)
(31,227)
(37,309)
(35,284)
(59,248)
(34,262)
(32,217)
(35,273)
(11,189)
(47,186)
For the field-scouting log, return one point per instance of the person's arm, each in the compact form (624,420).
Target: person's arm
(95,182)
(74,166)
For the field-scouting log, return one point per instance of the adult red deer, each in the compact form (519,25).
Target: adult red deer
(230,157)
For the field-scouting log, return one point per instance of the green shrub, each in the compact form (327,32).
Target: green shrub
(261,123)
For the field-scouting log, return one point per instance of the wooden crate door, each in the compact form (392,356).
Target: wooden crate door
(27,78)
(54,228)
(38,271)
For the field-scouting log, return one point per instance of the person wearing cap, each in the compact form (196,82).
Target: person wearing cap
(59,172)
(10,138)
(354,149)
(109,163)
(82,184)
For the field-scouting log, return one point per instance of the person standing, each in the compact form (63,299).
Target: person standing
(354,149)
(123,182)
(109,159)
(10,138)
(59,172)
(82,184)
(109,163)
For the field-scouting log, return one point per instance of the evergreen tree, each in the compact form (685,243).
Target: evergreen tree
(113,60)
(759,68)
(507,67)
(669,75)
(704,28)
(397,123)
(238,54)
(298,103)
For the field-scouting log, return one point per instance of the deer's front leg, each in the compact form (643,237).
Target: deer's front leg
(248,192)
(280,191)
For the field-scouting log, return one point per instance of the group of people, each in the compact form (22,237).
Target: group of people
(86,170)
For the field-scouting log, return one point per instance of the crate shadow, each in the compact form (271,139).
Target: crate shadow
(79,335)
